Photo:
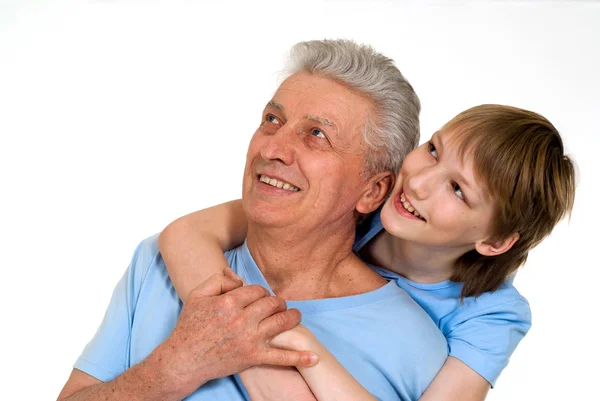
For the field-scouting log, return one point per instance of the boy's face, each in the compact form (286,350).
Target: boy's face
(437,199)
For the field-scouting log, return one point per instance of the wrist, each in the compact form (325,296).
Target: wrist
(164,368)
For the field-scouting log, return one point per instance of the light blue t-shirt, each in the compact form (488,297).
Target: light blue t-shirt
(382,337)
(483,332)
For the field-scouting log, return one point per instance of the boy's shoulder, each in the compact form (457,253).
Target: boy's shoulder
(483,331)
(442,300)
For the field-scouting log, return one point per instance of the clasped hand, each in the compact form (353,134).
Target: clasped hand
(226,327)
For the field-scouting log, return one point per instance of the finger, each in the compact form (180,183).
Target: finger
(248,294)
(280,322)
(231,274)
(264,307)
(215,285)
(279,357)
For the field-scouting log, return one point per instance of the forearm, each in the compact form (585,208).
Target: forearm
(456,382)
(330,381)
(187,269)
(193,245)
(144,381)
(275,383)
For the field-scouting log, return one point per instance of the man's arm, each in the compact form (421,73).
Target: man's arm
(140,382)
(218,333)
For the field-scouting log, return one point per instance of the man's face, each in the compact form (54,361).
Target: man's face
(304,161)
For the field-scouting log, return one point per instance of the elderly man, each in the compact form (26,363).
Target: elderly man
(330,138)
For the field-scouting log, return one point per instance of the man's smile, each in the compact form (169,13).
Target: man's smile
(277,183)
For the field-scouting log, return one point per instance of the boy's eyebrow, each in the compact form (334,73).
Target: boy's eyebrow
(436,136)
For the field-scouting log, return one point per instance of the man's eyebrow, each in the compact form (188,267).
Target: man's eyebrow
(274,104)
(321,120)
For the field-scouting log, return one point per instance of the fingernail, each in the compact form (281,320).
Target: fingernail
(313,359)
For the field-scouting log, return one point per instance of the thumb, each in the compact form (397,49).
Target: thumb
(228,272)
(280,357)
(216,285)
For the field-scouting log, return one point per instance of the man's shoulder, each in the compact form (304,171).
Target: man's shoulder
(148,248)
(146,259)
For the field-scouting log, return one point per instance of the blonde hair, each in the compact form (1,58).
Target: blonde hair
(520,156)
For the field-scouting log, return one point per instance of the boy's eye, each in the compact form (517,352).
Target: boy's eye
(272,119)
(432,149)
(458,191)
(318,133)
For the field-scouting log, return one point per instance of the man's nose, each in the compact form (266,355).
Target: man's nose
(280,146)
(422,183)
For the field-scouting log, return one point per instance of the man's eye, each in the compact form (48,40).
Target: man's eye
(432,150)
(318,133)
(458,191)
(272,119)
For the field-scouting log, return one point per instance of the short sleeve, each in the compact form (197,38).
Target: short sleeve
(486,339)
(107,355)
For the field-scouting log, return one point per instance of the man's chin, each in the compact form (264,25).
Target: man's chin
(268,213)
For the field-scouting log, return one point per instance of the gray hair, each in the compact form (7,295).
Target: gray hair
(394,129)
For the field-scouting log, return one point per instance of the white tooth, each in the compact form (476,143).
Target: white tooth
(279,184)
(263,178)
(411,209)
(417,213)
(273,182)
(406,204)
(402,197)
(286,186)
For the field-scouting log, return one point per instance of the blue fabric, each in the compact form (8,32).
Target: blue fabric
(483,332)
(359,330)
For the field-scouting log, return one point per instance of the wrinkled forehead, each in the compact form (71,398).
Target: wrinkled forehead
(323,99)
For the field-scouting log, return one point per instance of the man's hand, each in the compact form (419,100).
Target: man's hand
(224,328)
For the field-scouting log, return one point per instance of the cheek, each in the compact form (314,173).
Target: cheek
(450,217)
(255,145)
(413,162)
(337,181)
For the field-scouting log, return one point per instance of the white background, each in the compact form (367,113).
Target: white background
(117,117)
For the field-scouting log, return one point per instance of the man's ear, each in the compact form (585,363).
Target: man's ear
(496,247)
(378,187)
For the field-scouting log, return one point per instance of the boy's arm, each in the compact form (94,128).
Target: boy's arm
(328,379)
(275,383)
(456,382)
(193,245)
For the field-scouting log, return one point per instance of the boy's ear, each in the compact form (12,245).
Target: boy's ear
(496,247)
(378,187)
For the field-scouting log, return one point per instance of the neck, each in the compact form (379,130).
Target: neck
(300,265)
(417,262)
